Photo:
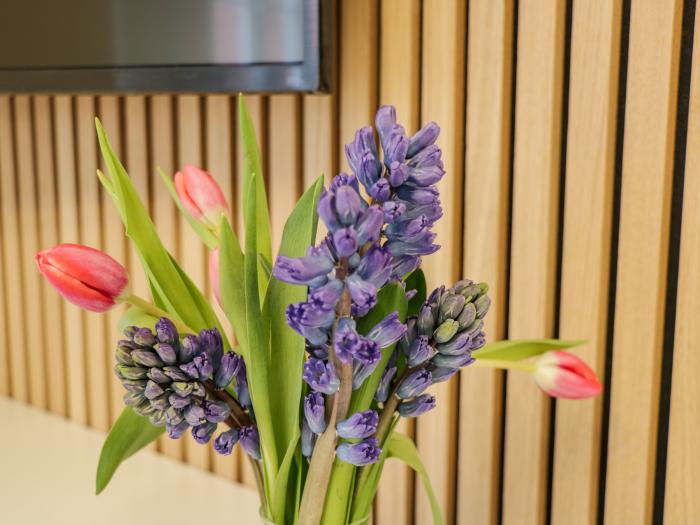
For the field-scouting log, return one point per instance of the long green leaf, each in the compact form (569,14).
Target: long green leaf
(252,171)
(286,346)
(129,434)
(231,268)
(517,349)
(279,489)
(134,316)
(416,281)
(402,447)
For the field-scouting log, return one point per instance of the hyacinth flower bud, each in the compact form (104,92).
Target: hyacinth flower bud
(452,361)
(418,406)
(225,442)
(419,351)
(445,331)
(369,225)
(346,341)
(348,205)
(416,382)
(241,387)
(166,353)
(368,353)
(211,343)
(387,331)
(363,294)
(166,332)
(201,195)
(423,138)
(175,431)
(359,454)
(315,412)
(359,425)
(360,372)
(250,441)
(214,275)
(308,439)
(303,270)
(202,433)
(194,415)
(216,411)
(345,242)
(321,376)
(157,375)
(86,277)
(441,374)
(189,347)
(393,211)
(562,374)
(451,305)
(230,363)
(382,393)
(426,320)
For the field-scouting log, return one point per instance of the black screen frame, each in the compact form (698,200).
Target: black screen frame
(311,75)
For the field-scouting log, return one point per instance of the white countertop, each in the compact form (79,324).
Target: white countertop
(47,475)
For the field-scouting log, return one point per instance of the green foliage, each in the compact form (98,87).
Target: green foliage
(517,349)
(416,281)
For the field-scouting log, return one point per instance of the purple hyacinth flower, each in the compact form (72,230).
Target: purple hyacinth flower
(387,331)
(348,205)
(202,433)
(369,352)
(382,393)
(359,454)
(425,176)
(315,412)
(155,374)
(457,345)
(326,210)
(176,431)
(194,415)
(363,293)
(428,156)
(362,157)
(421,245)
(189,347)
(177,401)
(385,120)
(406,230)
(441,374)
(166,331)
(395,147)
(190,369)
(212,345)
(146,358)
(345,242)
(423,138)
(144,337)
(375,266)
(414,384)
(250,441)
(310,321)
(230,363)
(398,173)
(204,365)
(308,439)
(419,351)
(326,297)
(359,425)
(369,225)
(417,406)
(319,352)
(225,442)
(166,352)
(403,265)
(393,210)
(380,190)
(216,411)
(418,195)
(452,361)
(241,386)
(346,341)
(321,376)
(302,270)
(360,372)
(153,390)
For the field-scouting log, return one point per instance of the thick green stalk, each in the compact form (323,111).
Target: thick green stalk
(153,310)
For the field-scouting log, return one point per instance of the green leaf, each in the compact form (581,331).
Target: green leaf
(279,489)
(134,316)
(402,447)
(231,268)
(252,171)
(286,346)
(129,434)
(416,281)
(517,349)
(202,231)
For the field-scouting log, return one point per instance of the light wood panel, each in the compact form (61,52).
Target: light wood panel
(485,245)
(29,242)
(48,236)
(650,113)
(533,248)
(399,85)
(442,100)
(69,231)
(11,250)
(683,468)
(586,250)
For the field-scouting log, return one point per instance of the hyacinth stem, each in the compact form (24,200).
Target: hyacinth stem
(503,364)
(152,309)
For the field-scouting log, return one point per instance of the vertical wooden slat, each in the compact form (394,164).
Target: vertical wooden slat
(486,196)
(358,69)
(219,153)
(5,305)
(534,248)
(650,111)
(191,256)
(442,100)
(29,246)
(162,135)
(12,267)
(319,150)
(683,465)
(399,85)
(48,236)
(69,231)
(284,161)
(586,248)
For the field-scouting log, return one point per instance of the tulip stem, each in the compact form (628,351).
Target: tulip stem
(504,364)
(153,310)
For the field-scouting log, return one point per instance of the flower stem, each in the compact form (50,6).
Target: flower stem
(152,309)
(504,364)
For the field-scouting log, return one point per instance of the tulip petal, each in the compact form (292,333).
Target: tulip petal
(74,290)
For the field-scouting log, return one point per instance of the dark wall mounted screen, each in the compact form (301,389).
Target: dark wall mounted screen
(163,45)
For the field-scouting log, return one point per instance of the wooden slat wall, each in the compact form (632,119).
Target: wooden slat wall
(571,132)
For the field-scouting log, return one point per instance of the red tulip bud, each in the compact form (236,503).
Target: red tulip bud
(200,195)
(214,274)
(86,277)
(561,374)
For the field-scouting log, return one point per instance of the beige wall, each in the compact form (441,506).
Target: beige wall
(557,194)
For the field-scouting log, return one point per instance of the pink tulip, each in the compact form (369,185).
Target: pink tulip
(561,374)
(200,195)
(214,274)
(86,277)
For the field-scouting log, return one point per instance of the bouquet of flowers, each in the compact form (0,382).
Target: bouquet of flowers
(335,340)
